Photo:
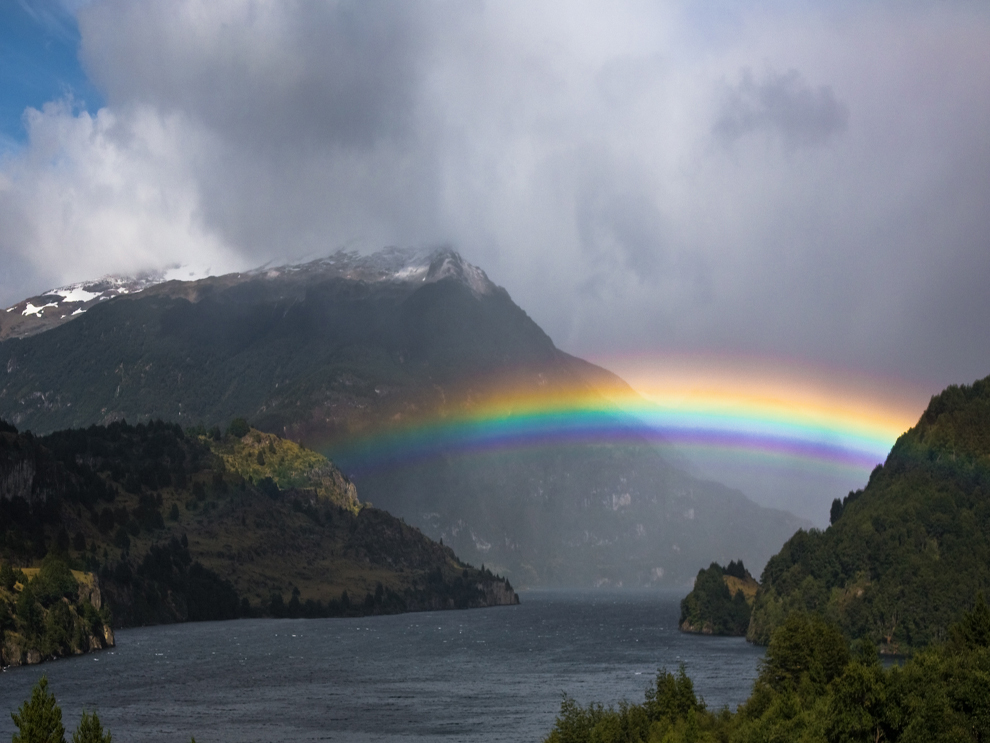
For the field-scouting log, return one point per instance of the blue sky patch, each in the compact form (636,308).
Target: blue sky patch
(39,62)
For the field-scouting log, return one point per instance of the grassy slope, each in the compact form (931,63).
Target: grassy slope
(747,585)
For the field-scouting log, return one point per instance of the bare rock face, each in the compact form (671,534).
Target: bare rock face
(33,657)
(91,592)
(108,638)
(499,593)
(11,654)
(697,629)
(16,478)
(26,471)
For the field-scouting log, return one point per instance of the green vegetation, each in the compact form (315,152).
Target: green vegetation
(232,545)
(905,555)
(39,720)
(813,689)
(720,602)
(49,612)
(271,460)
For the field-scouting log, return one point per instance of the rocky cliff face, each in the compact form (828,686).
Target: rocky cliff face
(19,468)
(499,593)
(36,632)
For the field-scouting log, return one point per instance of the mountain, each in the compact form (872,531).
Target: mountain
(210,526)
(906,555)
(333,351)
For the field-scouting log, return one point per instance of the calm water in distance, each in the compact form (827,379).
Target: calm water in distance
(479,676)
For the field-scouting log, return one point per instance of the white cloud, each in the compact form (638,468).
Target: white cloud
(110,192)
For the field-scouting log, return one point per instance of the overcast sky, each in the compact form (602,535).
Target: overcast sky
(797,180)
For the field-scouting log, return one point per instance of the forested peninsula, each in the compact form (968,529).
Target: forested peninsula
(148,524)
(907,554)
(901,559)
(720,602)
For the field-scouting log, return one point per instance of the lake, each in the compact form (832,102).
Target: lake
(480,675)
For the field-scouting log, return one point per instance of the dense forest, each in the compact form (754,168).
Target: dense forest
(719,603)
(814,688)
(177,525)
(905,555)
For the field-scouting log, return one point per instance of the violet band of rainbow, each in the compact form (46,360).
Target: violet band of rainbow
(521,423)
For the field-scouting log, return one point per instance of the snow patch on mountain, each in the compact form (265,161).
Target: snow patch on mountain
(30,309)
(76,294)
(414,265)
(406,265)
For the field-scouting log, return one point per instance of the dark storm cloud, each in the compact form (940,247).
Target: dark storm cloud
(284,76)
(783,104)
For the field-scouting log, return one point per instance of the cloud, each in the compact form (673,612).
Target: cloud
(784,105)
(597,163)
(104,193)
(293,74)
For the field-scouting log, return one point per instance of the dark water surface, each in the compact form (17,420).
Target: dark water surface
(480,675)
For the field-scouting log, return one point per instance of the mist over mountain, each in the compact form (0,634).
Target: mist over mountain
(335,350)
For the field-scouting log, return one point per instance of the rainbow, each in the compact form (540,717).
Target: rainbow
(733,412)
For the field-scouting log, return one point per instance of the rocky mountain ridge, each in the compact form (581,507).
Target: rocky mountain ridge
(339,349)
(52,308)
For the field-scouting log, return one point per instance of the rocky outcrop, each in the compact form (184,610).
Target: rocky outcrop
(17,467)
(15,650)
(27,471)
(701,628)
(499,593)
(53,630)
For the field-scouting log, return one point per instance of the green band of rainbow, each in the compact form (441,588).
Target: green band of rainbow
(519,422)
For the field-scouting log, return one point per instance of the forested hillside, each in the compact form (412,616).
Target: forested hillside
(208,525)
(907,554)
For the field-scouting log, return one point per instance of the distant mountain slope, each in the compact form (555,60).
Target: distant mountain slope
(906,555)
(336,348)
(211,527)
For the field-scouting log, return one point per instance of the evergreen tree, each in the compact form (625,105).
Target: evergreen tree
(90,730)
(54,581)
(29,615)
(39,720)
(238,428)
(7,578)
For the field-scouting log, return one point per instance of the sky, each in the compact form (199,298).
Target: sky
(798,187)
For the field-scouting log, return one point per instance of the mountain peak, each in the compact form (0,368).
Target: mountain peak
(390,264)
(409,265)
